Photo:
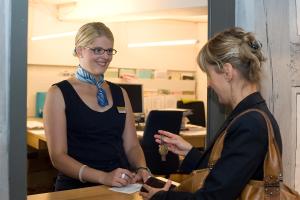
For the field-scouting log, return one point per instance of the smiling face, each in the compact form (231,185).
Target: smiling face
(91,61)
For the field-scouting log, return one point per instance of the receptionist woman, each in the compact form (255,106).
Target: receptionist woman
(88,121)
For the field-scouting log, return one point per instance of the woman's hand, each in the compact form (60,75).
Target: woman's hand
(175,143)
(118,177)
(151,190)
(141,175)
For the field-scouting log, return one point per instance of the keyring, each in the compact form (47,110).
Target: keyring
(162,139)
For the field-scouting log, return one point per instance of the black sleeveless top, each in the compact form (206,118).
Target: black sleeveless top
(95,138)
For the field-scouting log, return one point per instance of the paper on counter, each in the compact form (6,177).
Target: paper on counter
(129,189)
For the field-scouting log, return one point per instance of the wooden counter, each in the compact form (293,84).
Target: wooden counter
(90,193)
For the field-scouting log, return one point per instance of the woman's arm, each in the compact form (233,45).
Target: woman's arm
(56,135)
(131,143)
(243,154)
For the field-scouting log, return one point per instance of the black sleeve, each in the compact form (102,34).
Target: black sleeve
(191,160)
(245,147)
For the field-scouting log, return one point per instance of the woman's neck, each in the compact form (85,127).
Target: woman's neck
(239,94)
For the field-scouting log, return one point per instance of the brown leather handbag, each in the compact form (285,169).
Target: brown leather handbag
(271,187)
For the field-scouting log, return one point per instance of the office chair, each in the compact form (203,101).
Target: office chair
(198,113)
(160,120)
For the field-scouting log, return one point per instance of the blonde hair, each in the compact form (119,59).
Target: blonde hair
(237,47)
(89,32)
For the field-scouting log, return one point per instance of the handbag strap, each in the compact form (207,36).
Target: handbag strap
(219,143)
(272,162)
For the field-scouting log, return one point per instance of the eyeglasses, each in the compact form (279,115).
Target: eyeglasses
(100,51)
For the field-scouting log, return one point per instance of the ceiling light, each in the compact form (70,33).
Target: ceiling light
(163,43)
(51,36)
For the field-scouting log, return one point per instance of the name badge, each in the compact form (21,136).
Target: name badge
(121,109)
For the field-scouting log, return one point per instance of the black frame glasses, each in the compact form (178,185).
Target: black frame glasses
(100,51)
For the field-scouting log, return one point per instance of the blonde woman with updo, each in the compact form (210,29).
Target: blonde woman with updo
(89,123)
(232,61)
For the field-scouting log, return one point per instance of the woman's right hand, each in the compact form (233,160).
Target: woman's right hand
(175,143)
(118,177)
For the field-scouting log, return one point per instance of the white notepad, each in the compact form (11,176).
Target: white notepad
(129,189)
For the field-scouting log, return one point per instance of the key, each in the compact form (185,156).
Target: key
(163,149)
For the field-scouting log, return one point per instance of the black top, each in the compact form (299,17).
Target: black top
(242,158)
(94,138)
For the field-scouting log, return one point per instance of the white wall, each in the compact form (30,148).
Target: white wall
(40,78)
(59,51)
(89,9)
(55,55)
(174,57)
(202,78)
(41,21)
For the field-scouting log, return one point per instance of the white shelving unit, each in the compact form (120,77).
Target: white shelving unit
(154,96)
(162,84)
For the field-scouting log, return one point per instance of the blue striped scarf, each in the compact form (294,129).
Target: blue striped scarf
(85,76)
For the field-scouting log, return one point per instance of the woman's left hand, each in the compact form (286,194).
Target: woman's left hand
(141,176)
(151,190)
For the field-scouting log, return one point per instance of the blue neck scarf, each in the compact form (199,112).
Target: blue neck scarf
(85,76)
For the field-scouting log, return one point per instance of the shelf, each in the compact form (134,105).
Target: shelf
(161,84)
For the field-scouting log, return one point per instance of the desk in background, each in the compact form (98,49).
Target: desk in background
(35,133)
(193,134)
(38,160)
(89,193)
(36,139)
